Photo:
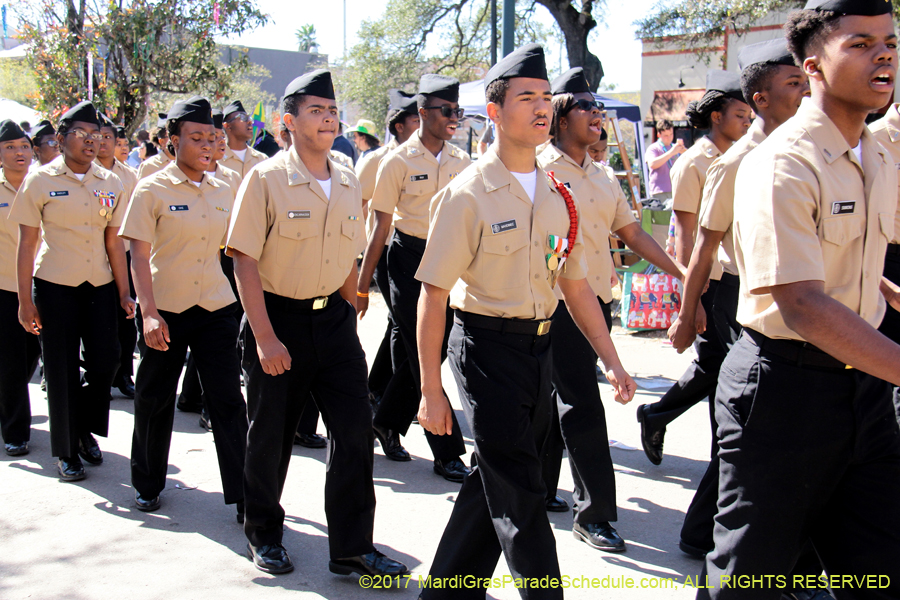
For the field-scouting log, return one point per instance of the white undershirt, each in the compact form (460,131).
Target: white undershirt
(196,183)
(240,154)
(438,157)
(326,186)
(80,176)
(858,152)
(528,181)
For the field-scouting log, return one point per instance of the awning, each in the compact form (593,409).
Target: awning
(670,105)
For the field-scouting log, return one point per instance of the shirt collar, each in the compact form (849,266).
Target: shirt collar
(298,174)
(176,176)
(707,147)
(58,166)
(496,176)
(892,123)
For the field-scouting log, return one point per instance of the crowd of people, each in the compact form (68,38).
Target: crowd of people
(239,267)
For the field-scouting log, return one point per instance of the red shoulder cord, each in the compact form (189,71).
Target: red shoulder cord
(570,206)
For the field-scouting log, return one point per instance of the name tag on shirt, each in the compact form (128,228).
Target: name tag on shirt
(843,208)
(58,194)
(504,226)
(177,207)
(4,204)
(298,214)
(418,177)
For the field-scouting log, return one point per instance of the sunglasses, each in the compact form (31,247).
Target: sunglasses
(447,111)
(243,117)
(588,105)
(81,134)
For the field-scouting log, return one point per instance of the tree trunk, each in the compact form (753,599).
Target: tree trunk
(576,25)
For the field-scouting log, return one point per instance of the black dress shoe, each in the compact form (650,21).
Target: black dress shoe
(452,470)
(186,406)
(373,563)
(601,536)
(390,444)
(692,550)
(205,423)
(17,449)
(70,468)
(125,387)
(240,513)
(270,558)
(89,450)
(146,504)
(651,437)
(311,440)
(556,504)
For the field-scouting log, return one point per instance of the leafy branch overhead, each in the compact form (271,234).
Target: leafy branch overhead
(138,47)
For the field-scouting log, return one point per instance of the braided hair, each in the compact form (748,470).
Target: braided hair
(699,112)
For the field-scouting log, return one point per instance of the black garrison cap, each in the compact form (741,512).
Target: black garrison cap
(773,52)
(527,61)
(572,81)
(726,82)
(315,83)
(161,119)
(10,130)
(865,8)
(232,108)
(218,118)
(45,127)
(83,111)
(105,121)
(439,86)
(120,132)
(192,110)
(401,101)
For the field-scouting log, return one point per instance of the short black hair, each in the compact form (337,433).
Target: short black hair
(371,140)
(805,30)
(173,127)
(291,104)
(699,111)
(496,91)
(756,78)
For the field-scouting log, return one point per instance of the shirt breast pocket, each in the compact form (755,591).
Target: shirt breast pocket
(421,188)
(298,244)
(505,260)
(886,220)
(347,251)
(839,233)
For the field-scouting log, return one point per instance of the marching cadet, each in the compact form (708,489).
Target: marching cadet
(46,146)
(808,444)
(724,113)
(159,161)
(122,147)
(19,352)
(408,178)
(176,221)
(74,207)
(191,397)
(602,208)
(295,235)
(239,156)
(402,122)
(106,158)
(774,87)
(500,236)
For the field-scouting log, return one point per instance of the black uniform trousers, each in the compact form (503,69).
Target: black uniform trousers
(127,335)
(724,313)
(806,452)
(383,366)
(329,365)
(890,326)
(582,422)
(398,405)
(504,383)
(210,336)
(19,353)
(77,319)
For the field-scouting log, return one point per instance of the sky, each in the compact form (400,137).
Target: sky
(613,41)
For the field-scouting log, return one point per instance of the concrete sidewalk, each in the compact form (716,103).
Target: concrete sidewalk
(87,541)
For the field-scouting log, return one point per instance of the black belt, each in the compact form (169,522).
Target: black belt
(730,280)
(893,249)
(800,353)
(306,305)
(517,326)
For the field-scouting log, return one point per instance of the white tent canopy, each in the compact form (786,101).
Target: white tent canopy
(10,109)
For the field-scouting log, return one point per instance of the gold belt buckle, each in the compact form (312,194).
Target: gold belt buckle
(544,327)
(320,303)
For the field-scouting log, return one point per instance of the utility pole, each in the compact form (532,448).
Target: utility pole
(345,31)
(509,26)
(493,32)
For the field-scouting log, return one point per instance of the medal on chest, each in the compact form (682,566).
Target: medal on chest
(560,247)
(107,202)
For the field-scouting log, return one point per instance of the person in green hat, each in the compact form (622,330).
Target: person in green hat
(364,137)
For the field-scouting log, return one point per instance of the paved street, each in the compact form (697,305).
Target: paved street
(87,541)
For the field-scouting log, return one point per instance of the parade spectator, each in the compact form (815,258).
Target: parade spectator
(660,157)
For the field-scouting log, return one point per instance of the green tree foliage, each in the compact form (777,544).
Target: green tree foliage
(17,82)
(450,37)
(306,37)
(138,47)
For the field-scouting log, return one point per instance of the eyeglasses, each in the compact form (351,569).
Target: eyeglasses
(81,134)
(588,105)
(243,117)
(50,143)
(447,111)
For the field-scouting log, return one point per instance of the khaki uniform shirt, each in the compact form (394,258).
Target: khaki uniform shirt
(232,178)
(73,246)
(805,210)
(305,243)
(9,236)
(488,243)
(366,171)
(887,131)
(688,178)
(342,159)
(717,207)
(242,167)
(602,208)
(184,225)
(409,177)
(154,164)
